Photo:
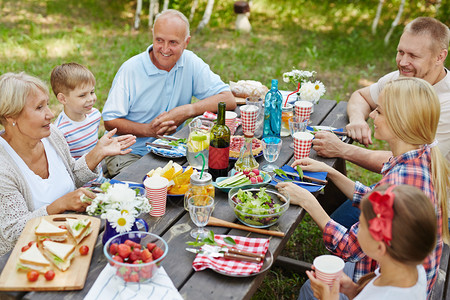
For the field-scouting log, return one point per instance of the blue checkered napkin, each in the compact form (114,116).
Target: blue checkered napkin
(178,151)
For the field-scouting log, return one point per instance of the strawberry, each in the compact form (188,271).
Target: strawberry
(148,260)
(145,273)
(124,250)
(157,253)
(150,246)
(134,277)
(113,249)
(130,243)
(145,255)
(118,259)
(124,270)
(135,255)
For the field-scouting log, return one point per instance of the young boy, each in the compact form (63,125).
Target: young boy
(74,87)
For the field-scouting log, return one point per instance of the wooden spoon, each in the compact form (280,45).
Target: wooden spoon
(222,223)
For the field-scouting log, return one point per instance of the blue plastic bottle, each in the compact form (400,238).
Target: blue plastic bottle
(272,111)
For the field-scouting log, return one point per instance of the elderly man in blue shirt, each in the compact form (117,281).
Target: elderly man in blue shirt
(152,91)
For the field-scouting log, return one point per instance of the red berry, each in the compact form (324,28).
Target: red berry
(84,250)
(32,275)
(157,253)
(49,275)
(113,249)
(134,277)
(135,255)
(253,180)
(150,246)
(118,259)
(246,172)
(130,243)
(255,171)
(259,178)
(25,248)
(124,250)
(145,255)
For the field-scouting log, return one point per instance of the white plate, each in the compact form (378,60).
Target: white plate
(268,261)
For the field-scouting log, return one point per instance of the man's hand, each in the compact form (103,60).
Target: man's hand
(163,124)
(173,118)
(327,144)
(360,131)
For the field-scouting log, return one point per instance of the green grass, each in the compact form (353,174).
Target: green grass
(331,37)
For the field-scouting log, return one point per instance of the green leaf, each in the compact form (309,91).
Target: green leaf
(209,240)
(229,241)
(177,142)
(300,172)
(280,172)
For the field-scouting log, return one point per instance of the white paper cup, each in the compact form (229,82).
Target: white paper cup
(303,109)
(302,144)
(156,192)
(230,120)
(248,116)
(328,268)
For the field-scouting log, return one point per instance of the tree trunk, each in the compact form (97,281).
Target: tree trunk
(207,15)
(152,11)
(377,17)
(137,16)
(193,8)
(166,4)
(394,24)
(438,5)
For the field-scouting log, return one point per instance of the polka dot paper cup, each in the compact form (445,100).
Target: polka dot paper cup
(156,193)
(302,144)
(248,116)
(303,109)
(230,121)
(328,268)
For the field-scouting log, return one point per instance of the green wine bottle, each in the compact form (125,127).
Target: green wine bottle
(219,146)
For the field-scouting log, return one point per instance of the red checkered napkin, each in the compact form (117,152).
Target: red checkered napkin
(233,267)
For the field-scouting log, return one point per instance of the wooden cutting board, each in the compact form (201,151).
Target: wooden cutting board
(72,279)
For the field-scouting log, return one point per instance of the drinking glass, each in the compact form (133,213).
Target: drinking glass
(200,209)
(297,124)
(271,150)
(198,142)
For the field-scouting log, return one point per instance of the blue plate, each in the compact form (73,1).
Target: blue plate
(266,179)
(175,152)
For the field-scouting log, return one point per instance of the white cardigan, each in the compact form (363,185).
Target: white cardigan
(16,202)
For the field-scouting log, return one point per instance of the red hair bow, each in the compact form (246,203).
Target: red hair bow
(380,227)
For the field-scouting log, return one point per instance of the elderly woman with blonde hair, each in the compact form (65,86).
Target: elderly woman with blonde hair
(406,117)
(38,176)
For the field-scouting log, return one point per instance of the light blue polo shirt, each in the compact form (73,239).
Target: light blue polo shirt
(140,91)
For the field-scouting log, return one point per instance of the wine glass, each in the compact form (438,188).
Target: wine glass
(271,150)
(200,209)
(297,124)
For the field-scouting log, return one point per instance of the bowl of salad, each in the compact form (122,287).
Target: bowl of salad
(258,207)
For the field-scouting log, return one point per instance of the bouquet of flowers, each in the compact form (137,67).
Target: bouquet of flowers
(120,205)
(310,89)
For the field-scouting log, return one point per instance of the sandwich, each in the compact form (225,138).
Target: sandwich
(59,254)
(32,259)
(46,229)
(79,229)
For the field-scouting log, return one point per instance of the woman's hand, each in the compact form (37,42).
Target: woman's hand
(109,145)
(71,201)
(298,195)
(321,290)
(311,165)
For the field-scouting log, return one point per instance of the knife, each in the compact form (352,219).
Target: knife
(306,177)
(166,137)
(210,248)
(159,146)
(225,255)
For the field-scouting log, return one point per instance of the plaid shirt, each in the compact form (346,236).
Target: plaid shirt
(412,168)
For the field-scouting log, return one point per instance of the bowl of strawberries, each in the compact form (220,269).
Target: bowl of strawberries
(136,255)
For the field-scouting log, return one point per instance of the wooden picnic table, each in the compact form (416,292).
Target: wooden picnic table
(175,226)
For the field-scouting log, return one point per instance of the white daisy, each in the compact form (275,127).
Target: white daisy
(120,222)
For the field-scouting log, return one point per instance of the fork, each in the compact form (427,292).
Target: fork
(296,181)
